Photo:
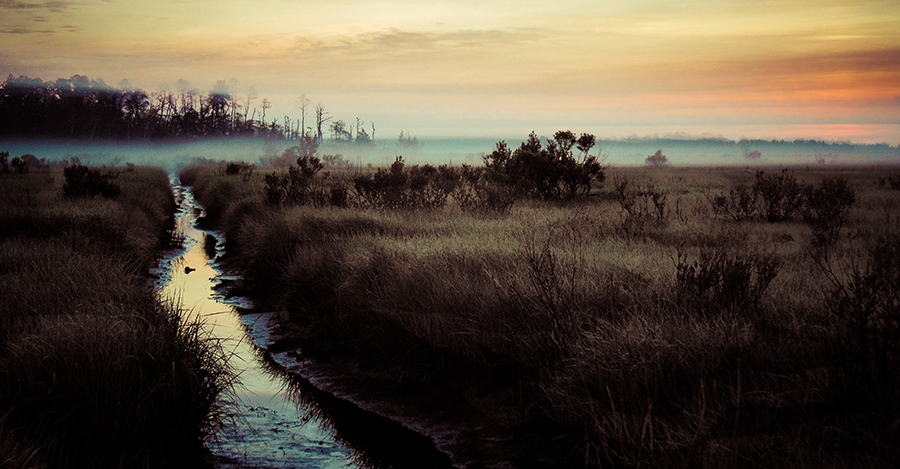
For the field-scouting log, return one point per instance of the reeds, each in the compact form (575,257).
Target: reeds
(691,340)
(95,370)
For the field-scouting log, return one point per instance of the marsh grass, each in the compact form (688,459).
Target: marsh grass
(694,338)
(95,371)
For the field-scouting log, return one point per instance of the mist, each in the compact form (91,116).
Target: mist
(172,156)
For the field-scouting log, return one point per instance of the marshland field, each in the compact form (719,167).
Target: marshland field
(655,315)
(536,307)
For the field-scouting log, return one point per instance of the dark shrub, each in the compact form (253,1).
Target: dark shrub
(425,187)
(82,181)
(19,165)
(643,206)
(294,187)
(657,159)
(781,195)
(476,194)
(866,301)
(726,282)
(825,207)
(739,204)
(241,168)
(550,172)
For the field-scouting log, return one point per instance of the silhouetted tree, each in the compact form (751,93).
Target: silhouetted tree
(548,172)
(657,159)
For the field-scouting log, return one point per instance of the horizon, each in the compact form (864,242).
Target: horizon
(761,70)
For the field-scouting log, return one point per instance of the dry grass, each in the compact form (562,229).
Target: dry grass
(582,302)
(95,371)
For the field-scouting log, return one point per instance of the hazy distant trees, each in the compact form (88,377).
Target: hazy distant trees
(81,108)
(407,140)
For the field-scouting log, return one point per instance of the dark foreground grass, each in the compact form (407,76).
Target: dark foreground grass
(641,327)
(95,370)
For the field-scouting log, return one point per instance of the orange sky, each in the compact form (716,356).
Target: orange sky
(781,69)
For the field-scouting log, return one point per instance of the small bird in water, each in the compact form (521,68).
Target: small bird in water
(188,270)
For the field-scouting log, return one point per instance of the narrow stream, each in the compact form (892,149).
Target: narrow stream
(277,418)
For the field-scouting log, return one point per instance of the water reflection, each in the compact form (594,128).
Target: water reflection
(277,418)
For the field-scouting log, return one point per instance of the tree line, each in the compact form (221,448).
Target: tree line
(85,109)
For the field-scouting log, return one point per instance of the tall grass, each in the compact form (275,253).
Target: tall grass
(669,335)
(95,370)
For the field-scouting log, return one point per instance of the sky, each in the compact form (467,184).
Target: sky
(824,69)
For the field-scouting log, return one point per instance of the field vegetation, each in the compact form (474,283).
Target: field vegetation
(95,369)
(658,317)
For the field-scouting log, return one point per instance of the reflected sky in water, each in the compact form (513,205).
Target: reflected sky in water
(277,418)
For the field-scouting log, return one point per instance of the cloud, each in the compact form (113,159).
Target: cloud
(397,42)
(54,6)
(25,31)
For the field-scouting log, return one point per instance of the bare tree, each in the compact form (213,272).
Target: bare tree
(321,119)
(251,95)
(265,105)
(303,104)
(232,102)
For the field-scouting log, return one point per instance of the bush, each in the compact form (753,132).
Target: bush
(189,174)
(82,181)
(723,281)
(241,168)
(399,187)
(657,159)
(477,194)
(294,188)
(825,207)
(739,204)
(643,206)
(781,195)
(551,172)
(866,301)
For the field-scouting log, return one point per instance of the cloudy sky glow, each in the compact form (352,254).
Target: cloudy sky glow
(770,69)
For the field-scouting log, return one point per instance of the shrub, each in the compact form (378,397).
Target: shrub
(825,207)
(642,205)
(739,204)
(725,281)
(657,159)
(294,188)
(550,172)
(189,174)
(866,301)
(781,195)
(241,168)
(399,187)
(82,181)
(477,194)
(19,165)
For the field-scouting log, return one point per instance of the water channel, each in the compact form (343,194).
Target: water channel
(275,418)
